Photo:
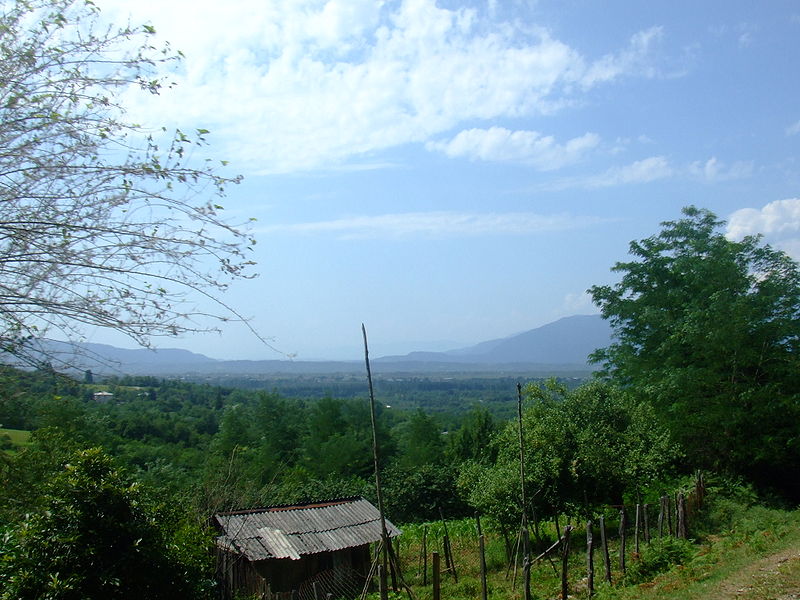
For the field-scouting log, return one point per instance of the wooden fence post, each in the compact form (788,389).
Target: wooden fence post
(425,555)
(646,524)
(680,507)
(383,586)
(623,524)
(565,563)
(636,529)
(484,585)
(436,576)
(669,514)
(604,543)
(589,558)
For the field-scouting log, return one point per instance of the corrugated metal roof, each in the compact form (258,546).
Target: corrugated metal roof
(293,531)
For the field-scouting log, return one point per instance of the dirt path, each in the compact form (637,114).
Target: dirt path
(774,577)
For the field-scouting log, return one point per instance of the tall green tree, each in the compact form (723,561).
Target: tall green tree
(708,329)
(419,441)
(584,448)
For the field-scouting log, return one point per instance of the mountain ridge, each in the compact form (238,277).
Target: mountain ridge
(560,346)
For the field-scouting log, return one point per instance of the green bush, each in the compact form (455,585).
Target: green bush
(658,557)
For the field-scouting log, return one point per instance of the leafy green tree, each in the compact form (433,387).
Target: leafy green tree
(101,537)
(339,439)
(708,330)
(419,440)
(102,222)
(473,439)
(417,494)
(584,449)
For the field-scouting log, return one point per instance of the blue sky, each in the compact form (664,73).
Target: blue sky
(450,172)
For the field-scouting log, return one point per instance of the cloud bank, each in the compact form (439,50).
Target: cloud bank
(306,84)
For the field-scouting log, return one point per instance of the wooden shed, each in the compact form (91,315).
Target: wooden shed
(275,551)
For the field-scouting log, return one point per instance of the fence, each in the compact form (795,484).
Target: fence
(463,559)
(478,563)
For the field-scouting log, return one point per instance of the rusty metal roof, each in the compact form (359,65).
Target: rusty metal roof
(294,531)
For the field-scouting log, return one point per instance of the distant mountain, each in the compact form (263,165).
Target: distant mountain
(560,347)
(568,341)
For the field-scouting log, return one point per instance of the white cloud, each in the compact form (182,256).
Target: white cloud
(529,147)
(778,222)
(638,172)
(641,171)
(633,59)
(793,129)
(287,85)
(714,170)
(438,224)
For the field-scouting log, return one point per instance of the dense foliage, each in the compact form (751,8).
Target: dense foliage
(584,449)
(708,330)
(100,536)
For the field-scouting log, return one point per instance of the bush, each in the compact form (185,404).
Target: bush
(658,557)
(101,536)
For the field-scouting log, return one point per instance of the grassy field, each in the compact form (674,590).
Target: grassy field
(13,438)
(739,551)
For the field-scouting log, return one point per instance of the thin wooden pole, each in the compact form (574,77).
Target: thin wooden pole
(604,543)
(450,565)
(484,585)
(425,555)
(526,566)
(526,546)
(376,463)
(437,587)
(565,563)
(636,529)
(623,525)
(589,558)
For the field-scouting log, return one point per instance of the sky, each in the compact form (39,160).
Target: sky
(448,172)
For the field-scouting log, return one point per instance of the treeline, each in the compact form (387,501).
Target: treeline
(224,449)
(228,448)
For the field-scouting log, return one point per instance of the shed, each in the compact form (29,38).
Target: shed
(280,549)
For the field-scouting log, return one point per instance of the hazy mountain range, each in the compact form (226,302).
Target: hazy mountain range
(561,346)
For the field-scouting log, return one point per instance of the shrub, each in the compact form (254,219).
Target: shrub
(658,557)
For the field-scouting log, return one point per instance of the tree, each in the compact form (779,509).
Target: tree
(100,536)
(102,222)
(584,449)
(708,329)
(471,441)
(419,441)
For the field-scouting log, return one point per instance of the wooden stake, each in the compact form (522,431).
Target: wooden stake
(437,593)
(376,462)
(565,563)
(484,585)
(606,555)
(623,524)
(425,555)
(589,558)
